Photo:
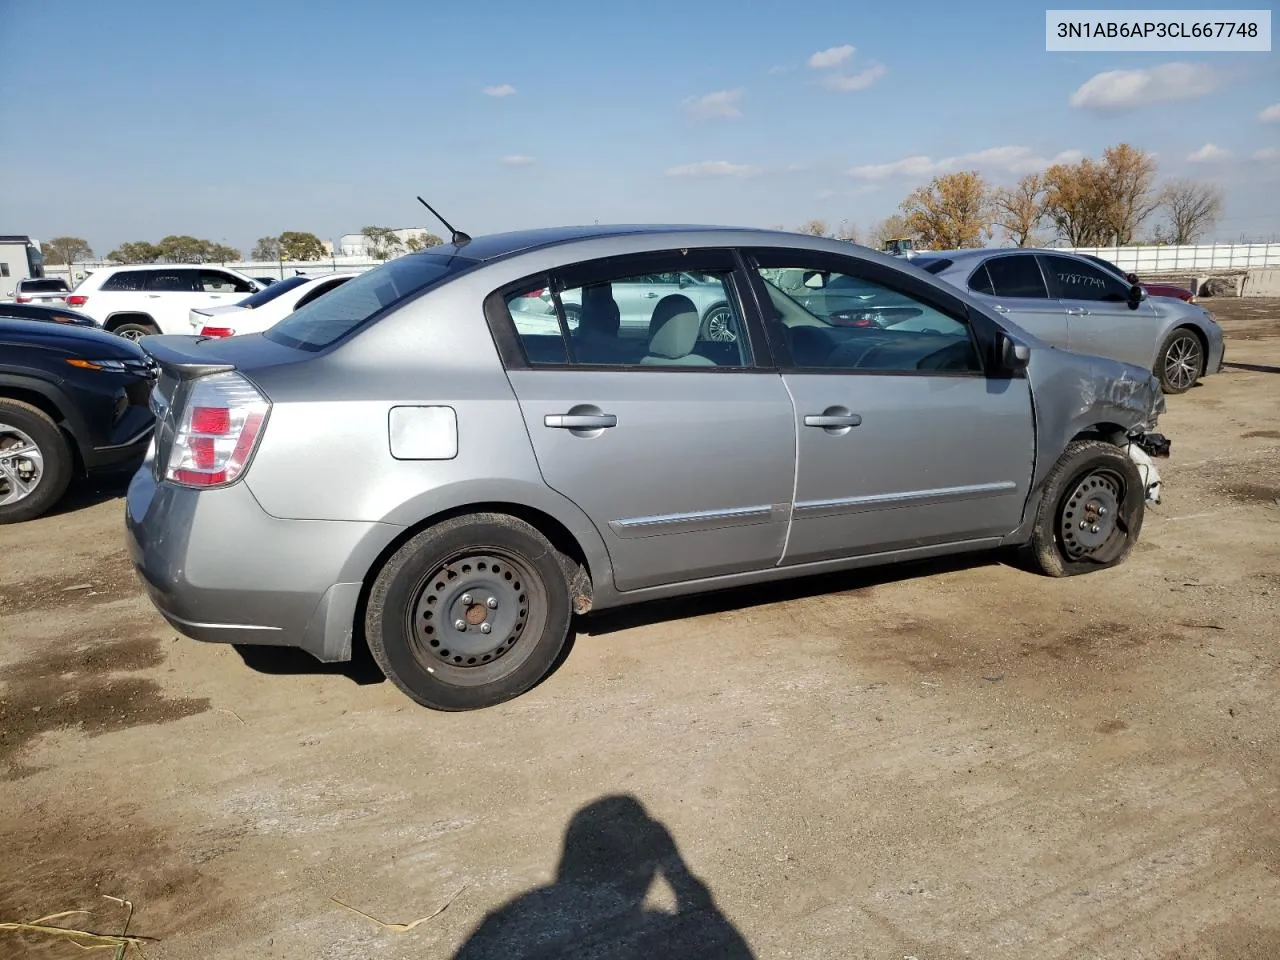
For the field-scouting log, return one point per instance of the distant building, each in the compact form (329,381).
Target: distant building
(357,244)
(20,257)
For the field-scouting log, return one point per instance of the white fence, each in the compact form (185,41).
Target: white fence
(1141,260)
(1205,256)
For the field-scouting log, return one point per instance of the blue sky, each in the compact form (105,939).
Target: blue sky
(139,118)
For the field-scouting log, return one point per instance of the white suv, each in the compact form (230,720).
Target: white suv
(156,298)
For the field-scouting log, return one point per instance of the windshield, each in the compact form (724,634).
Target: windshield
(271,292)
(330,318)
(44,286)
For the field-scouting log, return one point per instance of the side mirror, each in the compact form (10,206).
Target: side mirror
(1014,355)
(1131,277)
(1136,296)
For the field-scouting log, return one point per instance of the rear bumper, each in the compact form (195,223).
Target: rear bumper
(220,569)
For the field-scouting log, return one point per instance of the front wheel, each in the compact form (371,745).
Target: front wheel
(1091,513)
(35,462)
(470,612)
(1181,361)
(718,325)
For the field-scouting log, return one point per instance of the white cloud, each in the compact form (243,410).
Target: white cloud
(718,105)
(1125,89)
(780,69)
(518,160)
(712,168)
(846,82)
(502,90)
(1209,153)
(1267,154)
(831,57)
(1004,159)
(1271,114)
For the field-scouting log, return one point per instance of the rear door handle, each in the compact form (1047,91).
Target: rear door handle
(829,420)
(1000,309)
(1078,312)
(650,295)
(579,421)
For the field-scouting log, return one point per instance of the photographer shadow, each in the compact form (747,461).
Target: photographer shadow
(613,852)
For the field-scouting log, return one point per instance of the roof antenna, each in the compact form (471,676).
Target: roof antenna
(457,237)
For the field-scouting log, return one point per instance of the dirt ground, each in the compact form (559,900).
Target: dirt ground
(951,760)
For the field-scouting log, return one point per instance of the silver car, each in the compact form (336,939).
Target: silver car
(410,463)
(1071,302)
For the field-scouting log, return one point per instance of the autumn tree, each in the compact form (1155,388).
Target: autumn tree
(1192,209)
(815,228)
(267,248)
(422,242)
(66,250)
(299,246)
(1073,202)
(953,211)
(1019,210)
(381,242)
(1128,178)
(135,251)
(1096,203)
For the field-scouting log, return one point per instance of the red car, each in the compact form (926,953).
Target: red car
(1153,289)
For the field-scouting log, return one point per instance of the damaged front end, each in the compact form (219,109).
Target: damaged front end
(1144,396)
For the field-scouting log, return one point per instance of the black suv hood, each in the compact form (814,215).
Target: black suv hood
(83,341)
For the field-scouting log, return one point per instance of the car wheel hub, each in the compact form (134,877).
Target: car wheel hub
(718,327)
(1089,516)
(473,610)
(21,465)
(1182,362)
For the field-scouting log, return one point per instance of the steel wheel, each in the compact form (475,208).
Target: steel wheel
(1087,526)
(472,613)
(718,325)
(1183,361)
(21,465)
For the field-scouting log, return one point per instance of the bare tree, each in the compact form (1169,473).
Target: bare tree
(816,228)
(953,211)
(267,248)
(1019,210)
(1192,209)
(889,228)
(847,231)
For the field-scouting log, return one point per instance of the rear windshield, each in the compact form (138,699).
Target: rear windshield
(330,318)
(273,291)
(44,286)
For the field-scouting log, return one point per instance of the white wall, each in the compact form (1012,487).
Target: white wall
(1205,256)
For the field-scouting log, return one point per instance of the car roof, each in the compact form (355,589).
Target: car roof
(495,246)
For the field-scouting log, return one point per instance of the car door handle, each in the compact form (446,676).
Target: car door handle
(579,421)
(649,295)
(1000,309)
(1078,312)
(832,420)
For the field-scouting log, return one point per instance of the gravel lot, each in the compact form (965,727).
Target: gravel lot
(952,760)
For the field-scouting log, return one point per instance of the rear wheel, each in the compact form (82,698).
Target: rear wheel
(1181,361)
(717,325)
(35,461)
(469,613)
(1091,513)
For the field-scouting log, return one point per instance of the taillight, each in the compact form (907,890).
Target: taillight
(220,428)
(217,332)
(21,299)
(77,300)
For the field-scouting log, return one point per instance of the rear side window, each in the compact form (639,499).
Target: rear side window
(273,291)
(130,280)
(980,281)
(332,317)
(172,281)
(1017,276)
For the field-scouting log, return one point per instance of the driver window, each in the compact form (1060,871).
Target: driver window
(833,320)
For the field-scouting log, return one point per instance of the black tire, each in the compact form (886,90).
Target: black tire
(447,575)
(1181,361)
(134,330)
(717,324)
(1089,474)
(57,464)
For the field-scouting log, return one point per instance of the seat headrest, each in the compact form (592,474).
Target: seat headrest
(675,327)
(600,315)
